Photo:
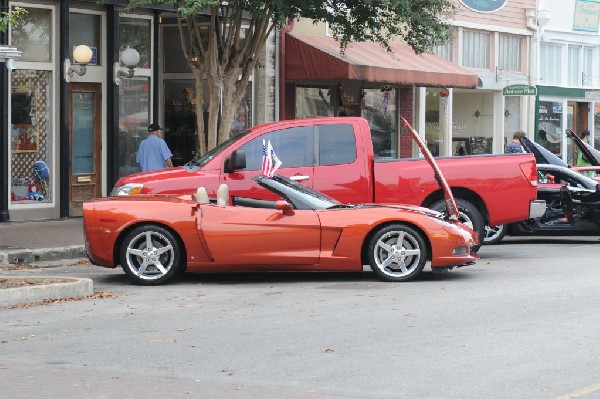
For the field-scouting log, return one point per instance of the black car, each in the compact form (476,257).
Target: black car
(572,198)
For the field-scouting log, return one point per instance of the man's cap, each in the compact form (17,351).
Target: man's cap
(154,127)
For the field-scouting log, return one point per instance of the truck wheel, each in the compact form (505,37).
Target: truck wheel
(469,215)
(397,253)
(494,234)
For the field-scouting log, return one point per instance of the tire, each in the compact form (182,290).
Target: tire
(397,253)
(153,267)
(494,234)
(469,215)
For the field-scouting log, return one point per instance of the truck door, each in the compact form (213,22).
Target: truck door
(340,170)
(293,146)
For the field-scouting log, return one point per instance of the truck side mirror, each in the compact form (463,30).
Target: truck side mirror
(236,161)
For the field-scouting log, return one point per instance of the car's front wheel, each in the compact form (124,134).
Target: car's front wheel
(397,253)
(150,255)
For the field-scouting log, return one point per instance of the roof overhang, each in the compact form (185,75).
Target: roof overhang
(318,58)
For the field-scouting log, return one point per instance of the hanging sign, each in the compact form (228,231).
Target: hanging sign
(484,5)
(519,90)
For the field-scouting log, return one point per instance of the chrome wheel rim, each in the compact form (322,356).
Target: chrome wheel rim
(493,232)
(150,255)
(397,254)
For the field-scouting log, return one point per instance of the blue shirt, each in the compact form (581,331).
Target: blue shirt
(153,153)
(513,148)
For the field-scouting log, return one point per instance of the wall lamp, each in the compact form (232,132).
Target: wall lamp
(82,55)
(8,55)
(130,58)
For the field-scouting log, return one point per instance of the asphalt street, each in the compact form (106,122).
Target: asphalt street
(523,322)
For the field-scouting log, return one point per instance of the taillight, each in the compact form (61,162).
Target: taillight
(530,172)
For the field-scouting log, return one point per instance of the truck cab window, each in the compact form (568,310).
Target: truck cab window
(293,147)
(337,144)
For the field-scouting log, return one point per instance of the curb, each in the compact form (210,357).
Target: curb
(72,287)
(26,256)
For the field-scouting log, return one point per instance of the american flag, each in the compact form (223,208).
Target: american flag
(270,162)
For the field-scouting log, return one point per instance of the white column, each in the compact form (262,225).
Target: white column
(446,124)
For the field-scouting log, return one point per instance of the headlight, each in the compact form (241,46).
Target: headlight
(126,189)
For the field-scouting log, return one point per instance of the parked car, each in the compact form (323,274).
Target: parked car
(335,156)
(572,198)
(154,237)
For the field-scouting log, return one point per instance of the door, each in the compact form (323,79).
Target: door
(85,139)
(577,120)
(261,236)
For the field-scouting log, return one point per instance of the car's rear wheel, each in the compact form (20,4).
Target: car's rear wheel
(150,255)
(469,216)
(494,234)
(397,253)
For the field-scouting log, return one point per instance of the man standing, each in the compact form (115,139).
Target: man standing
(154,153)
(514,147)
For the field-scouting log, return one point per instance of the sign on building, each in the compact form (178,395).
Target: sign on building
(519,90)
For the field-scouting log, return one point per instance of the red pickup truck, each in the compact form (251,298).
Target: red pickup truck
(335,156)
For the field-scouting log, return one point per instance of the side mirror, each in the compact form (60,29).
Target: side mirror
(236,161)
(285,207)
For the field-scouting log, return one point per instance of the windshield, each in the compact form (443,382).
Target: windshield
(201,160)
(297,194)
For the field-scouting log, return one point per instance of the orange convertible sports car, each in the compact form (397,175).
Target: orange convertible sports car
(155,237)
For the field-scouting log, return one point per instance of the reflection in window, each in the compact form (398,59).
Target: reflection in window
(33,35)
(293,147)
(134,118)
(136,33)
(550,130)
(314,101)
(433,133)
(85,29)
(380,110)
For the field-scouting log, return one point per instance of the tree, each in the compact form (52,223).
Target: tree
(11,17)
(222,40)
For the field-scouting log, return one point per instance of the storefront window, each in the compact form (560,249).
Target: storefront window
(433,133)
(134,118)
(31,137)
(314,101)
(85,29)
(136,33)
(379,109)
(550,130)
(33,35)
(473,122)
(597,126)
(180,117)
(512,118)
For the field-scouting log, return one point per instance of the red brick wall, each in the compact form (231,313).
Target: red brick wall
(406,103)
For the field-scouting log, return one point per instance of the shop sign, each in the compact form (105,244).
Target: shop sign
(587,16)
(484,5)
(592,95)
(519,90)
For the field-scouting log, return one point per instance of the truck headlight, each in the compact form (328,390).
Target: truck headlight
(126,189)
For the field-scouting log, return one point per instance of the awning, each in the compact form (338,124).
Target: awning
(318,58)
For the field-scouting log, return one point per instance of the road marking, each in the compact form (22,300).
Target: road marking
(581,392)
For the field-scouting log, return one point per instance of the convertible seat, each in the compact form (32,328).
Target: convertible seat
(201,195)
(223,195)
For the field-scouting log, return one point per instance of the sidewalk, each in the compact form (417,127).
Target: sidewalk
(40,241)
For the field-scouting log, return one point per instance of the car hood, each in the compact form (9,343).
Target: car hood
(542,155)
(155,175)
(592,154)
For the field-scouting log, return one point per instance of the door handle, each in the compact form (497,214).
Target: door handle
(299,178)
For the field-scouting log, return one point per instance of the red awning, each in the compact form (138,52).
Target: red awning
(318,58)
